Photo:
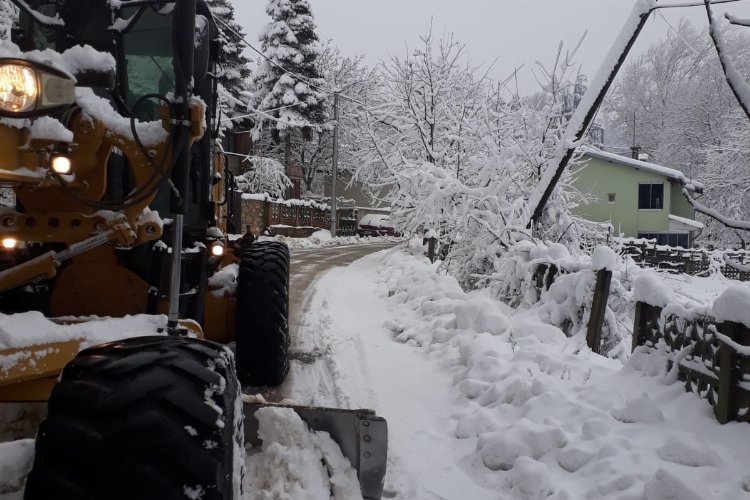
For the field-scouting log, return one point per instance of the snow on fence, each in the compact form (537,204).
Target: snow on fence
(543,279)
(733,264)
(580,295)
(263,215)
(707,348)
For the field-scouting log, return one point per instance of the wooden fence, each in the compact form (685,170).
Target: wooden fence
(544,276)
(708,365)
(294,218)
(688,261)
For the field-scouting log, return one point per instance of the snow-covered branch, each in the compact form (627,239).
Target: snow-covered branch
(726,221)
(584,114)
(736,82)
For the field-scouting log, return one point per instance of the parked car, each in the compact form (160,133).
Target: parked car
(376,225)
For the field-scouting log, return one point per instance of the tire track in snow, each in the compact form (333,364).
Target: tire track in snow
(314,371)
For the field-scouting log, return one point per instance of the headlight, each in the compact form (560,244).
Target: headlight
(9,243)
(33,89)
(217,249)
(61,164)
(18,88)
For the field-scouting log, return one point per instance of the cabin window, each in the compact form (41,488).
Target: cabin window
(650,196)
(668,239)
(611,197)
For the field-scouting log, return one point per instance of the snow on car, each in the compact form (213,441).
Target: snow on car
(376,225)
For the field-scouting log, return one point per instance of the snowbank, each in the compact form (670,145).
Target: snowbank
(567,302)
(550,419)
(733,305)
(16,459)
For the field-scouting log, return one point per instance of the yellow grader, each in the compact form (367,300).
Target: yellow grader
(109,117)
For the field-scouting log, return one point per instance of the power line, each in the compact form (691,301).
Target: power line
(257,111)
(301,78)
(285,70)
(261,54)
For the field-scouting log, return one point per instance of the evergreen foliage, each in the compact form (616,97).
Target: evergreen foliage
(289,41)
(234,74)
(8,14)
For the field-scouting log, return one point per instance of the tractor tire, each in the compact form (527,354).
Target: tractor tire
(156,418)
(263,314)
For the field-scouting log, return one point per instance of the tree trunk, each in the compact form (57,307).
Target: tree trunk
(288,153)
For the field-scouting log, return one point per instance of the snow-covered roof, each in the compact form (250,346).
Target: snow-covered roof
(688,222)
(649,167)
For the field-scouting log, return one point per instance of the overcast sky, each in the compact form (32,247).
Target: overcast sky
(515,32)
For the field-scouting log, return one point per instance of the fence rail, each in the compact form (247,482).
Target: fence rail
(690,261)
(706,362)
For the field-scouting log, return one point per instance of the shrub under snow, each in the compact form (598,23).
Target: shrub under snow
(550,419)
(567,302)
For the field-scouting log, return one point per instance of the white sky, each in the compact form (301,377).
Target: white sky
(514,32)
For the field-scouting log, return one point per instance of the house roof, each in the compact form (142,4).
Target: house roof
(692,224)
(649,167)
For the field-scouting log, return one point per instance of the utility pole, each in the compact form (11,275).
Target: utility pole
(335,166)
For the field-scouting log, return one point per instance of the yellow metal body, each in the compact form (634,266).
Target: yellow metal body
(55,210)
(28,373)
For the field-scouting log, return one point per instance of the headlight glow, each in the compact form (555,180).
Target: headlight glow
(19,88)
(61,164)
(9,243)
(217,249)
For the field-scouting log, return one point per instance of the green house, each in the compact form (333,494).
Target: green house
(639,199)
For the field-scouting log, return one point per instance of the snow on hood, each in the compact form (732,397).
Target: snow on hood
(32,328)
(75,60)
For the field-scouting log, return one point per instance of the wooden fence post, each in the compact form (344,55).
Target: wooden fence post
(639,323)
(598,309)
(725,406)
(431,244)
(551,275)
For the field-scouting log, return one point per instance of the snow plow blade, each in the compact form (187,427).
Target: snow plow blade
(361,435)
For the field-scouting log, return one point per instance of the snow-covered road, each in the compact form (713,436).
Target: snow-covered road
(484,402)
(311,375)
(368,369)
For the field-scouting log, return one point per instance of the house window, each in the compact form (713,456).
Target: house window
(650,196)
(668,239)
(611,197)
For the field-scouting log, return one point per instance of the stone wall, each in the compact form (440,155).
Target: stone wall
(294,218)
(254,216)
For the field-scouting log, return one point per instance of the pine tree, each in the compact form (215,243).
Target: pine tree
(8,14)
(290,42)
(234,74)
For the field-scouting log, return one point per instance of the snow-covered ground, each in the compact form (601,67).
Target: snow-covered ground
(701,290)
(484,402)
